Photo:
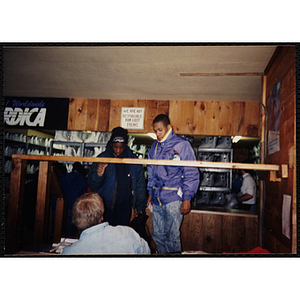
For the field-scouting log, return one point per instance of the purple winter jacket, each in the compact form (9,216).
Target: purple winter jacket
(172,183)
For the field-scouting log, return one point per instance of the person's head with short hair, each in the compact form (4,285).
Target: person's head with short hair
(118,140)
(161,125)
(162,118)
(88,211)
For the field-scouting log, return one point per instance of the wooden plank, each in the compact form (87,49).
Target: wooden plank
(42,201)
(238,115)
(283,62)
(209,237)
(211,126)
(80,114)
(284,171)
(213,232)
(220,74)
(252,118)
(103,111)
(77,114)
(15,206)
(225,117)
(115,114)
(71,116)
(192,232)
(181,116)
(59,219)
(60,209)
(251,231)
(189,163)
(93,111)
(263,141)
(150,114)
(163,107)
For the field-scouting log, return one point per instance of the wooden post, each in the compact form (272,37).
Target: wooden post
(263,150)
(59,218)
(15,206)
(60,209)
(42,202)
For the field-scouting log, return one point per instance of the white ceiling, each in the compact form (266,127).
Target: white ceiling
(136,72)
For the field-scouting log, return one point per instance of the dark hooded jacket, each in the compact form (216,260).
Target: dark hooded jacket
(107,185)
(74,185)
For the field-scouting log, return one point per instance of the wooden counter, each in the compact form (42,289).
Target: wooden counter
(209,231)
(218,231)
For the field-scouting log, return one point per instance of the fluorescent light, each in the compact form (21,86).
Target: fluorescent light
(236,138)
(152,135)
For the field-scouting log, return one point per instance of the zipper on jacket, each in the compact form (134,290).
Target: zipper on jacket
(159,202)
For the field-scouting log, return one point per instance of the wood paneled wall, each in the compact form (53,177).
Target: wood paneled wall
(215,118)
(89,114)
(187,117)
(282,64)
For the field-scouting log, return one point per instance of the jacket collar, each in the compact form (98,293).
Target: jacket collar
(166,135)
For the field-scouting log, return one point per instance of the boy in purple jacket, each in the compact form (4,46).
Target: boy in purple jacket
(170,187)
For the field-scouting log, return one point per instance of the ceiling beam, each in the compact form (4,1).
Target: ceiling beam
(221,74)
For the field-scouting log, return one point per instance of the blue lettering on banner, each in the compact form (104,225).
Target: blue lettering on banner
(18,103)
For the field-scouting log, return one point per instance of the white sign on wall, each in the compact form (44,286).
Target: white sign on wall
(132,117)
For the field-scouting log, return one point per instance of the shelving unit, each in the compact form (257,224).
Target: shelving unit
(21,146)
(215,184)
(82,147)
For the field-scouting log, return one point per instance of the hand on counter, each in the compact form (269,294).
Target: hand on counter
(185,207)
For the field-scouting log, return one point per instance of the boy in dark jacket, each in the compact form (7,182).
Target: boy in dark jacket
(121,186)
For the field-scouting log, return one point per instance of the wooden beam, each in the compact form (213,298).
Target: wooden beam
(59,219)
(60,208)
(221,74)
(15,206)
(284,171)
(188,163)
(42,202)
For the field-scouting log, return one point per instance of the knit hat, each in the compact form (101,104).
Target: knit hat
(119,135)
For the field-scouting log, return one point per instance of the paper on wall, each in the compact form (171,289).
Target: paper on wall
(286,216)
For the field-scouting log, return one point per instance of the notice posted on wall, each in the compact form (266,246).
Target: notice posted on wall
(274,118)
(132,117)
(286,215)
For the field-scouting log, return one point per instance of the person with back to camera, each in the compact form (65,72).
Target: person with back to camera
(247,195)
(98,237)
(245,199)
(74,184)
(170,187)
(121,186)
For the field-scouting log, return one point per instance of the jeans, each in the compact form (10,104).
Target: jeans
(166,221)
